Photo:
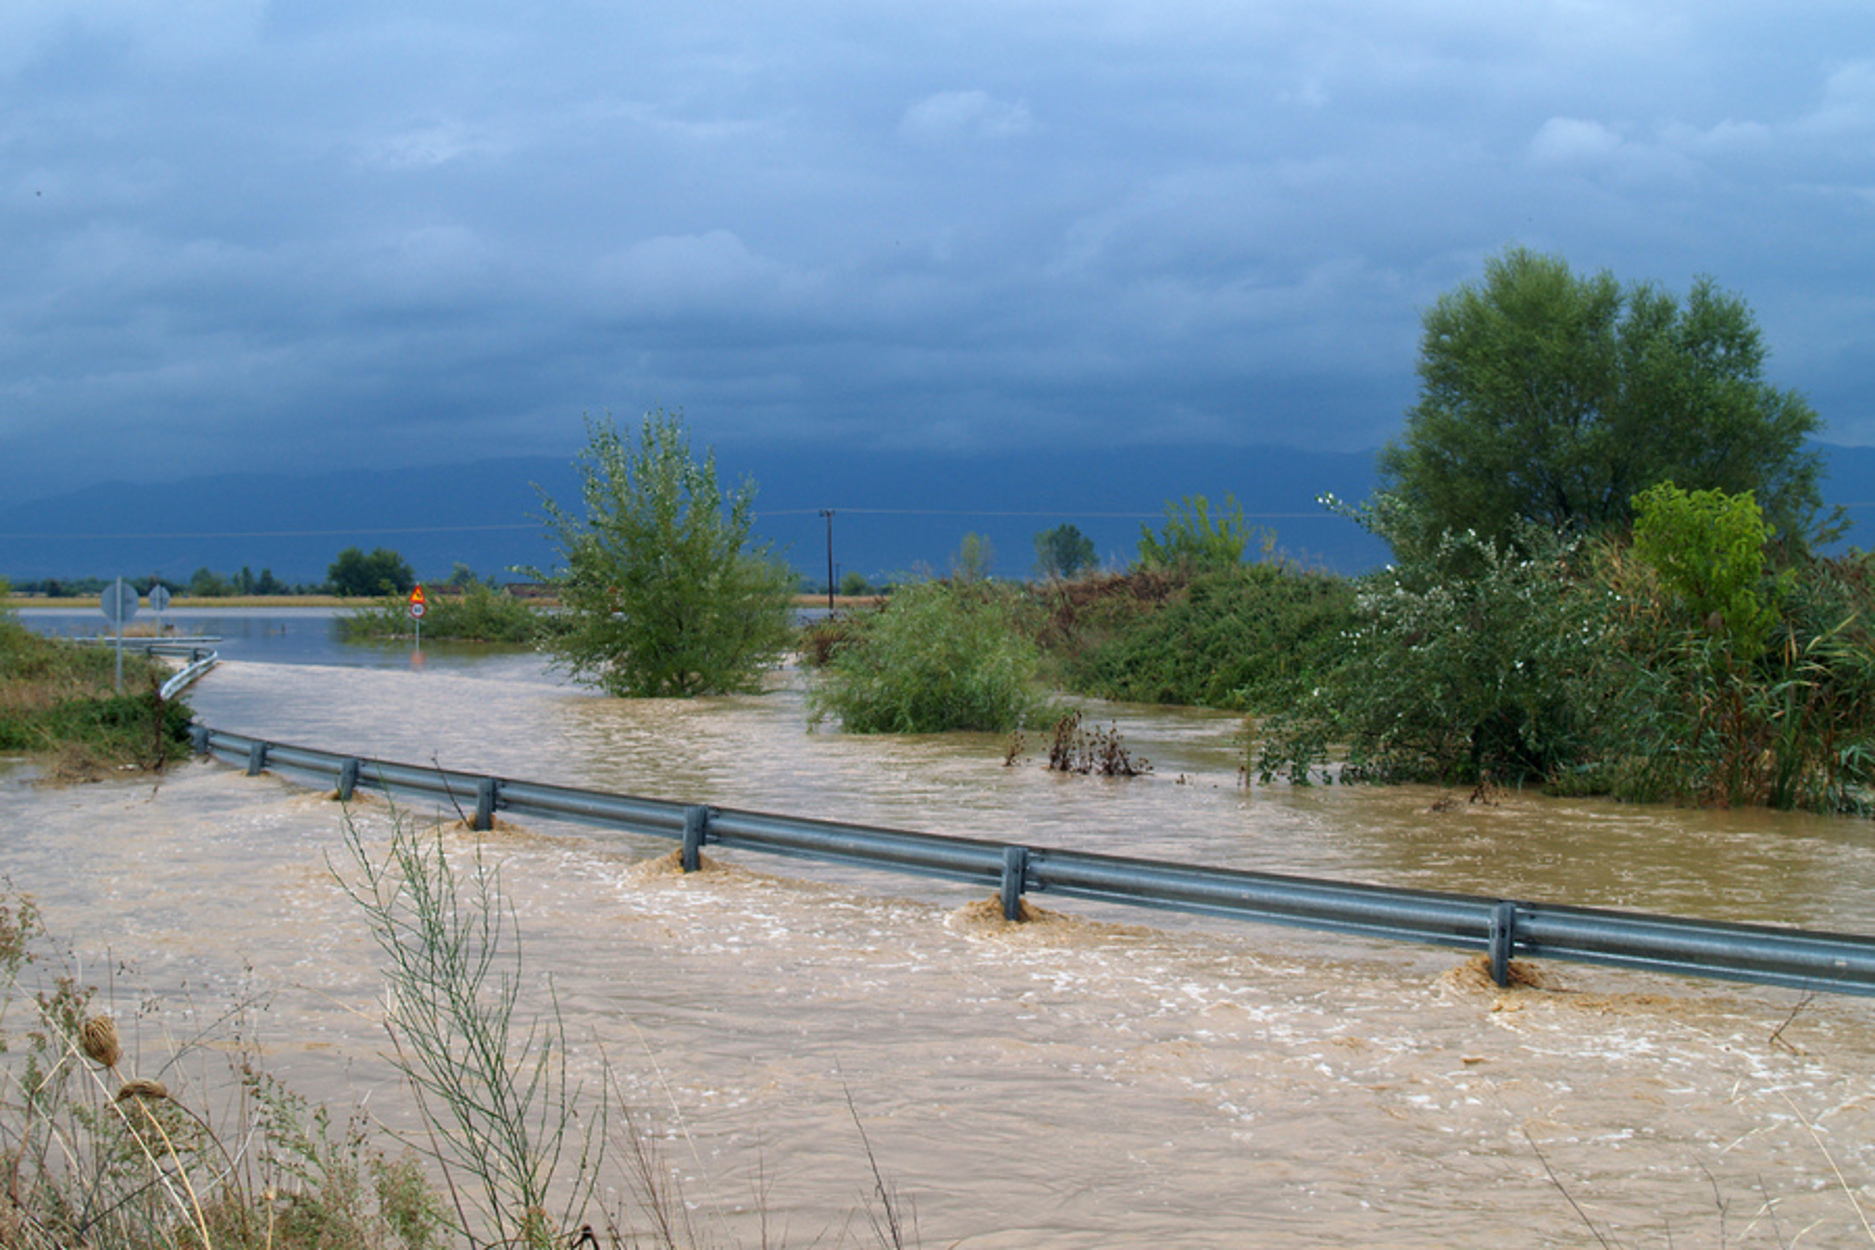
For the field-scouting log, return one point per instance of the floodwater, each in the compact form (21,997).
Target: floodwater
(1101,1079)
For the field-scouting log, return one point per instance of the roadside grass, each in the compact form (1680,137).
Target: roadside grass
(61,699)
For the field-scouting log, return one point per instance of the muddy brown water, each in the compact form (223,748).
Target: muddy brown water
(1102,1078)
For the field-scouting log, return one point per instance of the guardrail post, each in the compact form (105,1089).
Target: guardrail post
(348,779)
(487,790)
(199,736)
(1015,868)
(1503,939)
(696,832)
(256,758)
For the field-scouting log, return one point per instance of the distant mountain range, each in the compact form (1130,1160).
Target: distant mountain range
(894,513)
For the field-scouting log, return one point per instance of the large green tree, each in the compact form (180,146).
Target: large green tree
(1555,398)
(383,572)
(667,592)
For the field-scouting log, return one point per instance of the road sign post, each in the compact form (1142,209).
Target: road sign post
(119,604)
(417,608)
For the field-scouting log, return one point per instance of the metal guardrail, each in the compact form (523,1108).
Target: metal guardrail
(200,661)
(1834,962)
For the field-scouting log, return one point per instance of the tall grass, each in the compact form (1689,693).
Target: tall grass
(519,1144)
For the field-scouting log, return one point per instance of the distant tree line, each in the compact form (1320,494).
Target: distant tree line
(353,574)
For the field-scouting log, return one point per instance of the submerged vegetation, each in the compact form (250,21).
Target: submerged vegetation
(939,655)
(666,592)
(476,613)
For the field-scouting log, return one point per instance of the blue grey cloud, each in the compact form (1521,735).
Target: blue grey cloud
(281,234)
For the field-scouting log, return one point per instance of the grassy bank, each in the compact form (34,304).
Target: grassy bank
(61,700)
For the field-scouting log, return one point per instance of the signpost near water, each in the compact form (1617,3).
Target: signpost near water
(417,608)
(119,603)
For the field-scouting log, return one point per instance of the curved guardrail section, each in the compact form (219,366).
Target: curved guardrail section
(1841,963)
(199,662)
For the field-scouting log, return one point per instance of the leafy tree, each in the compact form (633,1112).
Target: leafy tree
(974,559)
(1707,549)
(667,594)
(1554,399)
(462,577)
(1062,552)
(383,572)
(205,583)
(1196,540)
(852,584)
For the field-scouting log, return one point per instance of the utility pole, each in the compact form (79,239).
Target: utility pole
(828,513)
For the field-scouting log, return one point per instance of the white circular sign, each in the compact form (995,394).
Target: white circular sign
(119,603)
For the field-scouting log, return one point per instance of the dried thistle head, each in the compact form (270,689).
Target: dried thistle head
(140,1088)
(98,1039)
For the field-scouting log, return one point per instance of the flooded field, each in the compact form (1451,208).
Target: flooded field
(1098,1079)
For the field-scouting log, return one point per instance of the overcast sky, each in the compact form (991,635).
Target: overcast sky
(324,232)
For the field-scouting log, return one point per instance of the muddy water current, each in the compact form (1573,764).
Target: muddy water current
(1101,1078)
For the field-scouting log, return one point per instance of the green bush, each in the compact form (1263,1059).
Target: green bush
(1468,661)
(1679,669)
(479,614)
(666,592)
(937,656)
(1707,549)
(1246,638)
(1690,716)
(1194,539)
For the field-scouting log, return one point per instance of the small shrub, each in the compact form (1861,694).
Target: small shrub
(937,656)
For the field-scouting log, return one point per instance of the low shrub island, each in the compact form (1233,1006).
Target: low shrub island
(936,656)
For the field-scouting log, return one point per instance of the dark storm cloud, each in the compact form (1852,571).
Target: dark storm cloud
(291,234)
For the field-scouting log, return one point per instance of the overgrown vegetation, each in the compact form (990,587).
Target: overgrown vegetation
(1244,637)
(60,698)
(520,1145)
(1685,666)
(478,613)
